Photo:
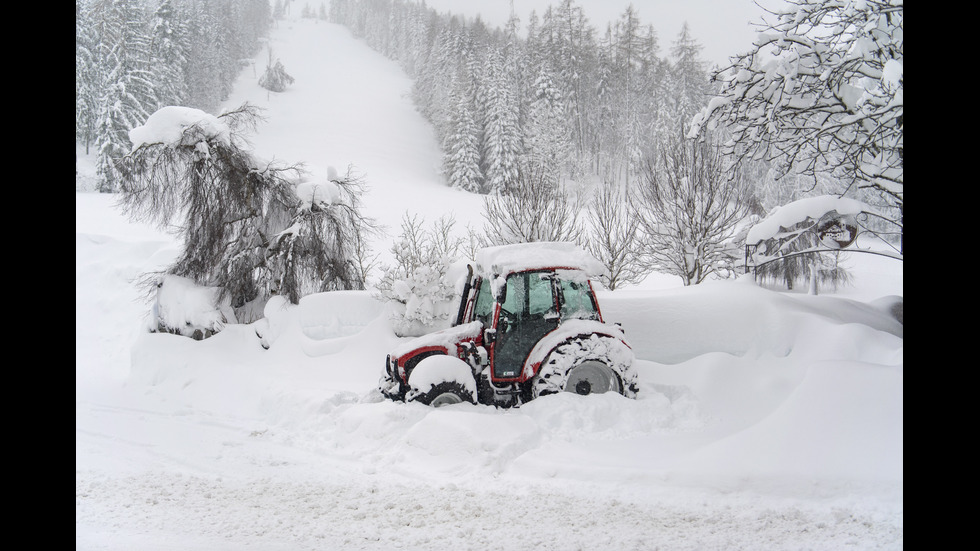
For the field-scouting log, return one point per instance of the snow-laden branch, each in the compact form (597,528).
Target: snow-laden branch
(822,91)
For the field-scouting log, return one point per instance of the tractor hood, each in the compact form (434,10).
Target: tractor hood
(446,339)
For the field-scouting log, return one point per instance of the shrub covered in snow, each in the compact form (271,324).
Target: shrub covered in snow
(184,308)
(423,287)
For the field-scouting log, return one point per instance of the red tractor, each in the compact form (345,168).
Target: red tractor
(528,325)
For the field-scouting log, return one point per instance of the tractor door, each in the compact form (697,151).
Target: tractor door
(527,314)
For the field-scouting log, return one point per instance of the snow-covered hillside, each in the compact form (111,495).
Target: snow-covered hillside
(765,419)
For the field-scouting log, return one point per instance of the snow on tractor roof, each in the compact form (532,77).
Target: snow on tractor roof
(505,259)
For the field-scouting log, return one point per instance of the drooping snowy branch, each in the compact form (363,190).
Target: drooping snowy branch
(251,228)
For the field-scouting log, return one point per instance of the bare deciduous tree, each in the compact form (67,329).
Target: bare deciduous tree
(532,208)
(614,238)
(687,208)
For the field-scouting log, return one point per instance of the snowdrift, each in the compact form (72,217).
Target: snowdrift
(738,318)
(726,369)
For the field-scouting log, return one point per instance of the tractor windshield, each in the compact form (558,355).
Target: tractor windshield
(529,294)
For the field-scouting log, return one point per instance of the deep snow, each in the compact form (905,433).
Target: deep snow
(765,419)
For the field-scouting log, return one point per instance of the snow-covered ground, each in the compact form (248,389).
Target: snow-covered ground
(765,420)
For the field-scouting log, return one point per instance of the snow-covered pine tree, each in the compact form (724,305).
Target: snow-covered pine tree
(569,49)
(275,78)
(88,79)
(168,56)
(439,66)
(547,142)
(461,153)
(632,43)
(689,80)
(127,89)
(501,132)
(203,74)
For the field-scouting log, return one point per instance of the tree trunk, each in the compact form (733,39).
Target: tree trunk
(813,278)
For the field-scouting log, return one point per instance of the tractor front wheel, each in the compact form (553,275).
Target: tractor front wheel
(441,380)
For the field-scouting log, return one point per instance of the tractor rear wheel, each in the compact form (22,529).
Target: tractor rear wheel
(594,364)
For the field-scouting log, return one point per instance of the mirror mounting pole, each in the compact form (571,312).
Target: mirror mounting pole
(466,295)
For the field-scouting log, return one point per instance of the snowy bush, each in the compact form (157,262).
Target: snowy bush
(184,308)
(423,287)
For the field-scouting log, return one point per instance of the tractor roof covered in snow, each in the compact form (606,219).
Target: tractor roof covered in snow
(505,259)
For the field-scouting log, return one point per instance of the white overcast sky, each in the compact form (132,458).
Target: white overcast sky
(721,26)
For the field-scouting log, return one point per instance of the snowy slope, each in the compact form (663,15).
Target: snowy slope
(765,420)
(320,121)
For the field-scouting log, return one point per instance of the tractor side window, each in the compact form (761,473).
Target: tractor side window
(577,301)
(483,308)
(541,299)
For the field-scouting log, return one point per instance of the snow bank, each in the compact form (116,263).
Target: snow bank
(788,444)
(337,313)
(733,317)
